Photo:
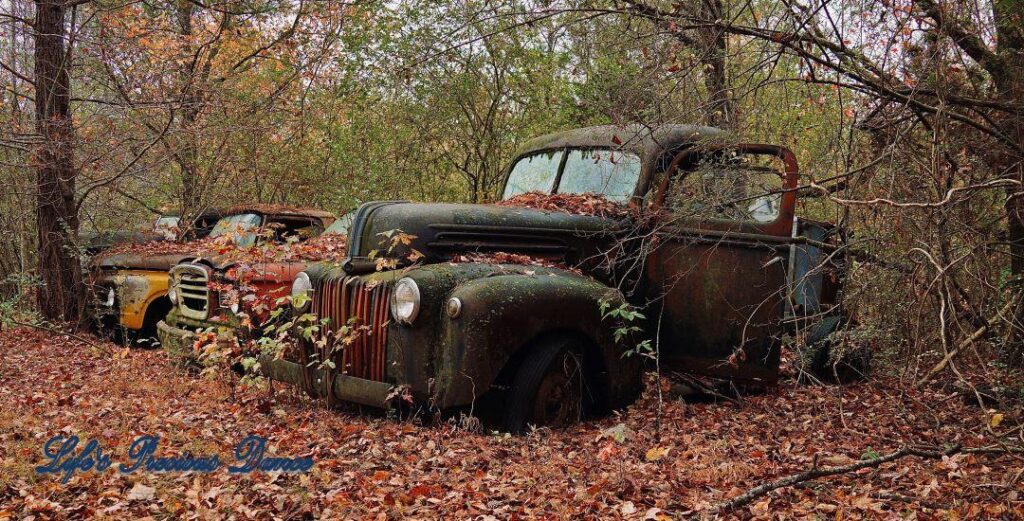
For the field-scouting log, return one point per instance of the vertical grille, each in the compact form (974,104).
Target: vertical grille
(195,294)
(362,308)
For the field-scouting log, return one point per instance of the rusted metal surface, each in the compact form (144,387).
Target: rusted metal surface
(720,298)
(356,332)
(282,210)
(723,284)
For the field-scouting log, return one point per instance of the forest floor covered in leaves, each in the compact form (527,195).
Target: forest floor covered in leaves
(367,466)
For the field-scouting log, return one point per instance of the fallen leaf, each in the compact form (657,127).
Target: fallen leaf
(141,492)
(996,419)
(655,453)
(627,508)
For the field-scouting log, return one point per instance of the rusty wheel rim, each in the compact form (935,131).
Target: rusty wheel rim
(560,394)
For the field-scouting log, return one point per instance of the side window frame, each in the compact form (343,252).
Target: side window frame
(684,161)
(295,223)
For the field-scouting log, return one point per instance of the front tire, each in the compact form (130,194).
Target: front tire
(547,389)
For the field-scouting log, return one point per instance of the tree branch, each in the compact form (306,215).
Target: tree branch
(968,41)
(820,472)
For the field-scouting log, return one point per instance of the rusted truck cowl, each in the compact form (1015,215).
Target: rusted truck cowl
(437,231)
(710,254)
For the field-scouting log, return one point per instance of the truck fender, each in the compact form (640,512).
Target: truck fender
(502,316)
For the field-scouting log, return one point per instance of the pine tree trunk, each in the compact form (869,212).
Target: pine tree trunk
(61,297)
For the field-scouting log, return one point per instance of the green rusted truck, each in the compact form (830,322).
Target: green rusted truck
(707,249)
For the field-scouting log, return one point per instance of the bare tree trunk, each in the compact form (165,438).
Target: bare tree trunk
(1008,77)
(720,107)
(13,60)
(1010,166)
(191,189)
(56,211)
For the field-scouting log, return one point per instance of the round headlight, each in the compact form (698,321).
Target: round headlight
(405,301)
(172,293)
(302,288)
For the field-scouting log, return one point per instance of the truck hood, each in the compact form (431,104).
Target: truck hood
(435,232)
(269,272)
(137,261)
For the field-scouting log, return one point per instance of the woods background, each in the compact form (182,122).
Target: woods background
(905,115)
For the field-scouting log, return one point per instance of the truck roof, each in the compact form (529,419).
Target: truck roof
(638,138)
(281,209)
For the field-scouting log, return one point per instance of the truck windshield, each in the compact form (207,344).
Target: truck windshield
(241,227)
(611,173)
(342,225)
(166,226)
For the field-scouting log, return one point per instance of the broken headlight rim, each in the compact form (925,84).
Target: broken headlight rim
(405,301)
(302,288)
(454,307)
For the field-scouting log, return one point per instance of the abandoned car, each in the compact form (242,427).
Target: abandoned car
(130,284)
(704,265)
(232,295)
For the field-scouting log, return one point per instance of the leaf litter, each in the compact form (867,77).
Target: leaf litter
(369,466)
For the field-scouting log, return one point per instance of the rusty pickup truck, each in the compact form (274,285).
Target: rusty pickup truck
(233,296)
(130,285)
(706,267)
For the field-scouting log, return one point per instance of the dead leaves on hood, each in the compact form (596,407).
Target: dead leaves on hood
(577,204)
(324,247)
(501,257)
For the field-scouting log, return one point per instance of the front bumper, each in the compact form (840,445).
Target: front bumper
(179,343)
(345,388)
(176,342)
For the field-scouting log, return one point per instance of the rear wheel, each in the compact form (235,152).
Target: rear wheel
(828,358)
(547,389)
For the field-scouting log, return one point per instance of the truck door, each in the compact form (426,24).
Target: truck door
(718,268)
